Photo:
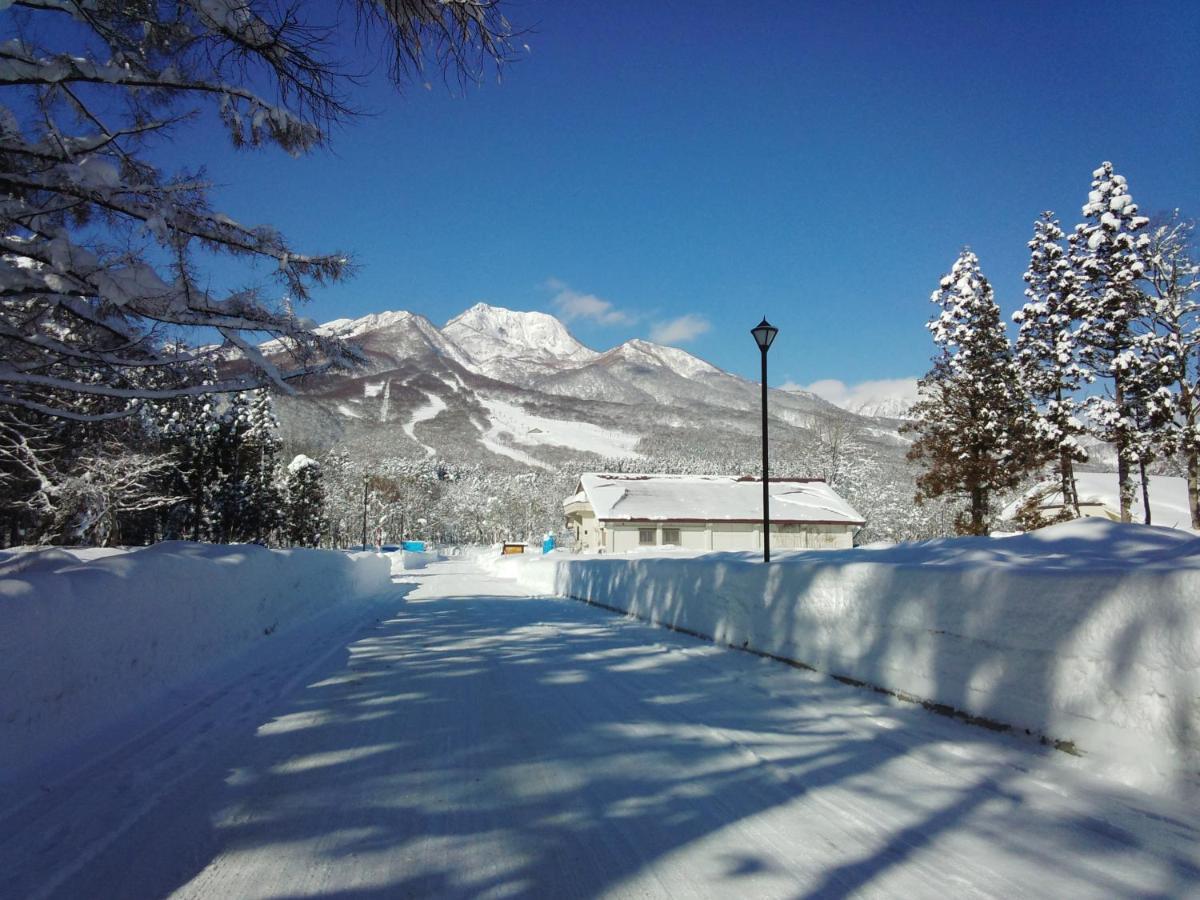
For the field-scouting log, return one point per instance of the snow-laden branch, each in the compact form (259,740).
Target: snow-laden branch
(259,119)
(99,276)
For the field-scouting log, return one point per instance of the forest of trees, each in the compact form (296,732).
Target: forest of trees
(1108,345)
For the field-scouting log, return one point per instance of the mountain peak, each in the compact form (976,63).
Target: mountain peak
(347,328)
(487,332)
(680,361)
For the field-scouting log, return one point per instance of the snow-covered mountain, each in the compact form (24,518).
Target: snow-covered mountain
(502,343)
(516,387)
(882,407)
(888,398)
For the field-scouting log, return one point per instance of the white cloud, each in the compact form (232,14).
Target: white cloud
(572,305)
(888,395)
(679,331)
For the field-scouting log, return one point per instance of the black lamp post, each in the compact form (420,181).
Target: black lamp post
(764,334)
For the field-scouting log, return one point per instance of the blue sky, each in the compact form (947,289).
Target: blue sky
(821,164)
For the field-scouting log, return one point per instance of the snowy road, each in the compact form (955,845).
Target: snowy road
(477,743)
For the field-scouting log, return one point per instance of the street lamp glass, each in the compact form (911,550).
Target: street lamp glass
(764,333)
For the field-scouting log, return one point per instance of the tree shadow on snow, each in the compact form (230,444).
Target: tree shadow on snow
(499,747)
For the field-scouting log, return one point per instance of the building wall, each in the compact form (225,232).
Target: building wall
(587,529)
(735,536)
(623,537)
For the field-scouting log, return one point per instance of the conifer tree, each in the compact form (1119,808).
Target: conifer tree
(230,503)
(264,502)
(1174,347)
(1045,355)
(1108,255)
(305,521)
(189,426)
(246,502)
(971,419)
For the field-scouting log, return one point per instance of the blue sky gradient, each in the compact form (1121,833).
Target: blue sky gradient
(821,164)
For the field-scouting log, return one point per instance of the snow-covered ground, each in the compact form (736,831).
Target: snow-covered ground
(480,743)
(1087,632)
(88,638)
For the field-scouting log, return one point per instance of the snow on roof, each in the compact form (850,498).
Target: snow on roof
(1168,497)
(625,497)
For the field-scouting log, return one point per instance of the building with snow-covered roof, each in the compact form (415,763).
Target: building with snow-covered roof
(615,513)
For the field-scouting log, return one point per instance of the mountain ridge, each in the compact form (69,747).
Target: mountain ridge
(511,388)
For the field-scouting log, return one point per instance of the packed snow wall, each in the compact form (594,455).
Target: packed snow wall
(87,636)
(1086,633)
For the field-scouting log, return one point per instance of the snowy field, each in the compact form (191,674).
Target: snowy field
(480,743)
(94,638)
(1087,632)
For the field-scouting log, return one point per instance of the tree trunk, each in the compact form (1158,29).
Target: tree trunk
(1124,483)
(1070,494)
(1193,485)
(1066,464)
(978,509)
(1145,490)
(1191,452)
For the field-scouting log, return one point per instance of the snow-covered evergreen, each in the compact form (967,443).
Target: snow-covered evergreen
(1108,253)
(972,419)
(1174,347)
(305,522)
(1045,354)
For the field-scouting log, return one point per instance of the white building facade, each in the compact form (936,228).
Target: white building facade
(617,513)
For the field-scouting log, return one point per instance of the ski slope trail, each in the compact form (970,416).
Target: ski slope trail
(426,413)
(479,743)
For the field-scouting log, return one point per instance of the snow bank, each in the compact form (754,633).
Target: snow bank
(1087,632)
(87,637)
(401,560)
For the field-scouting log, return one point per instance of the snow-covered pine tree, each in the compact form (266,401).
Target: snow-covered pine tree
(1046,358)
(101,250)
(305,522)
(1174,346)
(972,416)
(1108,256)
(190,425)
(264,501)
(230,501)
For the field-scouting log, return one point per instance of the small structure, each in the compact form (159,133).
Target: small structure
(1099,495)
(511,548)
(615,513)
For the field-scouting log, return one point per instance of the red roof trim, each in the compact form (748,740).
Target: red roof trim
(743,521)
(633,476)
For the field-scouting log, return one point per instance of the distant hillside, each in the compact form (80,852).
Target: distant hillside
(516,389)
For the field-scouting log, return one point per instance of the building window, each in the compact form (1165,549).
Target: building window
(671,536)
(646,537)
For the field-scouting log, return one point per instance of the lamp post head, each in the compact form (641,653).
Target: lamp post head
(764,333)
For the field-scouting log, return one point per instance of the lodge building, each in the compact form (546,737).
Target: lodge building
(617,513)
